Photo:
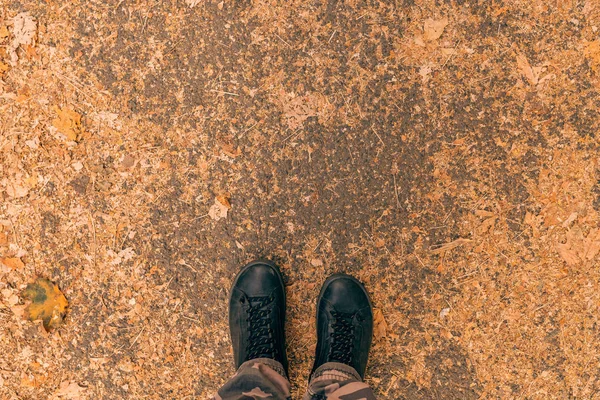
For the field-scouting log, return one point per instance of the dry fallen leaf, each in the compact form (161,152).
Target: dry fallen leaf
(3,68)
(592,53)
(316,262)
(379,325)
(433,29)
(68,123)
(192,3)
(12,262)
(220,209)
(230,150)
(526,70)
(69,390)
(24,28)
(3,32)
(591,245)
(48,303)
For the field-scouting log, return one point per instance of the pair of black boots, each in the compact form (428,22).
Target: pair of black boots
(257,315)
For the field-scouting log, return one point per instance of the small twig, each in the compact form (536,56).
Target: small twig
(332,35)
(137,337)
(222,92)
(94,236)
(246,130)
(190,318)
(288,45)
(396,190)
(377,134)
(452,54)
(295,133)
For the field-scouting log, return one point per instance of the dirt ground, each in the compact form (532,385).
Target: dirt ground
(445,152)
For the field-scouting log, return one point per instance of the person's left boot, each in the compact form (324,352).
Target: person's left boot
(257,314)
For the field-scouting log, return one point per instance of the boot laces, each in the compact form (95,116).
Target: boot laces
(261,341)
(342,338)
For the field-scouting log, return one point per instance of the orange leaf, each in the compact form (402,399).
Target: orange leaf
(379,325)
(68,123)
(48,303)
(12,262)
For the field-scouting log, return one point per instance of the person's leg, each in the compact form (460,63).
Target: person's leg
(256,324)
(344,332)
(256,379)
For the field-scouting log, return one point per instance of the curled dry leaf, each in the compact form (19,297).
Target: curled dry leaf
(220,208)
(48,303)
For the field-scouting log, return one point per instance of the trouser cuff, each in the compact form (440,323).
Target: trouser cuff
(269,362)
(335,371)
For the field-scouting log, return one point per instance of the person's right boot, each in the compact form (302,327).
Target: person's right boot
(344,323)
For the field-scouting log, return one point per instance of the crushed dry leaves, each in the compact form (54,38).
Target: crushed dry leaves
(48,303)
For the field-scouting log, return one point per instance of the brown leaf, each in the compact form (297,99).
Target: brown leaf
(433,29)
(12,262)
(68,123)
(48,303)
(379,325)
(526,69)
(591,244)
(69,390)
(230,150)
(567,254)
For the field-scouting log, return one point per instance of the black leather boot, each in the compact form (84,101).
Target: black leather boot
(344,323)
(257,314)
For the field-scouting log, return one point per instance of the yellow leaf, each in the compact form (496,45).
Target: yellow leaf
(68,123)
(48,303)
